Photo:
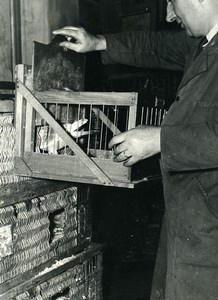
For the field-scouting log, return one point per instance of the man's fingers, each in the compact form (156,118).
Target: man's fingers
(72,27)
(129,162)
(71,46)
(116,140)
(66,29)
(68,32)
(120,148)
(122,156)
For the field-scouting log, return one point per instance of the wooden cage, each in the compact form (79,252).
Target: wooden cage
(64,135)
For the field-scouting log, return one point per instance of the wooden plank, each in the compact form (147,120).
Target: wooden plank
(64,135)
(106,121)
(22,167)
(6,70)
(19,113)
(132,115)
(30,114)
(87,98)
(29,129)
(85,180)
(29,189)
(70,168)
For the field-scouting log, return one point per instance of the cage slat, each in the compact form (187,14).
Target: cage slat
(20,113)
(94,98)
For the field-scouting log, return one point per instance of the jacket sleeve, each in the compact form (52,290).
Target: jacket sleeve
(166,49)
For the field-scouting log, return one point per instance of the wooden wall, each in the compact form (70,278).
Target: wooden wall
(5,42)
(23,21)
(40,17)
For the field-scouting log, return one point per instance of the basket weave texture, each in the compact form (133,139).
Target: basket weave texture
(7,150)
(83,281)
(40,230)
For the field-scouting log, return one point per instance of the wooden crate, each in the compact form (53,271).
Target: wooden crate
(47,123)
(77,277)
(35,232)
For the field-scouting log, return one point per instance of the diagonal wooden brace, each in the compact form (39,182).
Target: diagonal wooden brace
(106,121)
(26,93)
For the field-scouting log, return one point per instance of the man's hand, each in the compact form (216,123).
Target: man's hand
(82,41)
(136,144)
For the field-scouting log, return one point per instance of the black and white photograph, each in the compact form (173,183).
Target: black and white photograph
(109,150)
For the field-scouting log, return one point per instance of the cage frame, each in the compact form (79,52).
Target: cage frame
(83,169)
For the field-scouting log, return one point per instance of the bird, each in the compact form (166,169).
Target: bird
(51,142)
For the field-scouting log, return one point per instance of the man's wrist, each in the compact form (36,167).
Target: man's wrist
(101,44)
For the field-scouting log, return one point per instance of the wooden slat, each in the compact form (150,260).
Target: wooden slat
(85,180)
(106,121)
(30,114)
(70,168)
(132,115)
(29,189)
(6,69)
(19,114)
(29,133)
(63,134)
(89,98)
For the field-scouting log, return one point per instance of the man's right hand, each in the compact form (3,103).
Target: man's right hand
(136,144)
(82,41)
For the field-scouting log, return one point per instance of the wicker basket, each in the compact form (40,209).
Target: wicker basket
(78,277)
(36,232)
(7,150)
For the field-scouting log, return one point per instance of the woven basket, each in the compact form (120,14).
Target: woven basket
(37,231)
(7,150)
(82,281)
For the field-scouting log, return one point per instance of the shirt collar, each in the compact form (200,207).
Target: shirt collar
(211,33)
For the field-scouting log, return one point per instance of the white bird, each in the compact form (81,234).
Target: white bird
(51,142)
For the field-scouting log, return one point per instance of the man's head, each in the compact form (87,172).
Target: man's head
(197,17)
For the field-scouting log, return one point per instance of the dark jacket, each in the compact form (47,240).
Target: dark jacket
(189,161)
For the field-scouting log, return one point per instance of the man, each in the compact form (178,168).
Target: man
(187,141)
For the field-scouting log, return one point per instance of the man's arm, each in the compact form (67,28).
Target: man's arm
(141,49)
(164,49)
